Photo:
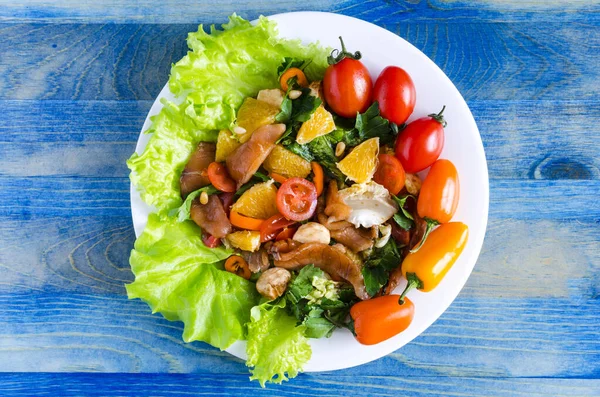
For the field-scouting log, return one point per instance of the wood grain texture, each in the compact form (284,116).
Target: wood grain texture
(378,11)
(516,61)
(70,385)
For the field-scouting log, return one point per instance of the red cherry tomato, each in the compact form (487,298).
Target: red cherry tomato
(273,226)
(219,177)
(396,94)
(347,85)
(390,173)
(286,233)
(419,145)
(210,241)
(297,199)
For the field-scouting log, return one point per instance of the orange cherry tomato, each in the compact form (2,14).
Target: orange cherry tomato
(286,233)
(237,265)
(318,180)
(245,222)
(219,177)
(293,72)
(347,84)
(425,268)
(272,226)
(378,319)
(438,197)
(390,173)
(297,199)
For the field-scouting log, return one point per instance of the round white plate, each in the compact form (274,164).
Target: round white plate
(463,146)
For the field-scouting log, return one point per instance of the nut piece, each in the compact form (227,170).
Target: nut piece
(273,282)
(340,148)
(239,130)
(203,198)
(312,232)
(295,94)
(412,182)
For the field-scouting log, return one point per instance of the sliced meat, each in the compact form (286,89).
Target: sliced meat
(356,239)
(335,208)
(246,159)
(194,174)
(257,261)
(401,236)
(343,231)
(211,216)
(333,260)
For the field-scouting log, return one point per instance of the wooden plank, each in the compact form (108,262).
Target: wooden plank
(84,132)
(521,258)
(171,11)
(49,196)
(509,61)
(483,338)
(67,385)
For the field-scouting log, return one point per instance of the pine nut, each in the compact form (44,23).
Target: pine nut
(203,198)
(339,149)
(294,94)
(239,130)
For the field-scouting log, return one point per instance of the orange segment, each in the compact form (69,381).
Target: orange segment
(320,123)
(244,240)
(283,162)
(360,164)
(253,114)
(226,144)
(258,202)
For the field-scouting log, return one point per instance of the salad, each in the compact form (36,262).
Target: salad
(287,198)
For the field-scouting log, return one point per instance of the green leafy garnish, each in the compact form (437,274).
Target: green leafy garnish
(376,270)
(366,126)
(403,218)
(183,212)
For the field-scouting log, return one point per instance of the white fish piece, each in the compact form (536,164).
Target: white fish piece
(370,202)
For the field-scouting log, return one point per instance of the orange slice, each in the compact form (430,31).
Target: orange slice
(283,162)
(360,164)
(258,202)
(245,240)
(320,123)
(253,114)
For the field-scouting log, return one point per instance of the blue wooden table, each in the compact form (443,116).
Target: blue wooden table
(76,81)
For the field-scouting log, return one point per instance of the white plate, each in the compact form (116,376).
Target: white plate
(463,146)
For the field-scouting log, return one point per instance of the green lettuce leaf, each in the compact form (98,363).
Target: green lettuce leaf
(156,171)
(226,66)
(183,280)
(212,80)
(277,348)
